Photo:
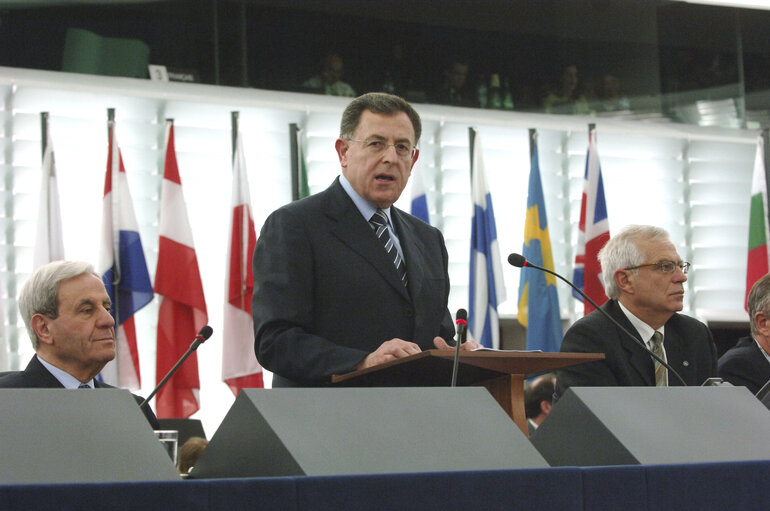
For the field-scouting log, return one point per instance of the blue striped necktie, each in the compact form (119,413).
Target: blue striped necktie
(84,386)
(379,223)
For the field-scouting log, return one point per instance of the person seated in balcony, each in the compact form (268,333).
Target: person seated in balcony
(608,96)
(567,97)
(329,79)
(454,89)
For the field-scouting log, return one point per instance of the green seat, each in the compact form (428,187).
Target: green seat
(86,52)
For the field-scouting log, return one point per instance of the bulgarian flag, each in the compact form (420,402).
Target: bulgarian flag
(757,264)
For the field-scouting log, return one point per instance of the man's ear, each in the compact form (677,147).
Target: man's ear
(342,146)
(545,407)
(41,325)
(762,322)
(623,281)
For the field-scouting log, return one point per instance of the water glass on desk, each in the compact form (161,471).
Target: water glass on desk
(169,439)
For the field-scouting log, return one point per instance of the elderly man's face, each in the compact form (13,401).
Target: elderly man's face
(83,335)
(377,172)
(654,291)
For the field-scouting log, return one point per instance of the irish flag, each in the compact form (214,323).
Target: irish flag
(757,264)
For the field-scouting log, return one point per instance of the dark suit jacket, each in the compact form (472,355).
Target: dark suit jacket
(36,376)
(744,364)
(689,345)
(326,294)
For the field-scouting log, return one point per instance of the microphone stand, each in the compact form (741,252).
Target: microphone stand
(462,327)
(204,334)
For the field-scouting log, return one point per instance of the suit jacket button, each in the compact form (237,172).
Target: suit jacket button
(686,363)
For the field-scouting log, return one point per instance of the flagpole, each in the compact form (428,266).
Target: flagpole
(234,117)
(44,131)
(532,138)
(471,141)
(765,139)
(294,131)
(114,169)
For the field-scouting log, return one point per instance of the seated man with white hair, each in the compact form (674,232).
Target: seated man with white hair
(644,278)
(66,310)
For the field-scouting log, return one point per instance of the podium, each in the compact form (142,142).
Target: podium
(500,372)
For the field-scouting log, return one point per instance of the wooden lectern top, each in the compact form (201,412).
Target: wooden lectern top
(434,367)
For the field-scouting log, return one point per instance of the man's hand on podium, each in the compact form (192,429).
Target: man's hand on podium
(468,345)
(389,350)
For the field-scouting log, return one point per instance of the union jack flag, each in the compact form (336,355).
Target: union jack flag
(593,231)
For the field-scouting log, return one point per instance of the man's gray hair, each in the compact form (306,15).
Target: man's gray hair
(40,294)
(378,103)
(622,251)
(759,299)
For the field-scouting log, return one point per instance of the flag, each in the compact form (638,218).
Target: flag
(419,199)
(487,289)
(49,244)
(123,268)
(240,368)
(757,262)
(593,231)
(182,311)
(538,300)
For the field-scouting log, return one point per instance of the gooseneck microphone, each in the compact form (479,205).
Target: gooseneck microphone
(520,261)
(202,336)
(462,334)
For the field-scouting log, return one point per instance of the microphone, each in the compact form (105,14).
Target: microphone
(520,261)
(202,336)
(462,334)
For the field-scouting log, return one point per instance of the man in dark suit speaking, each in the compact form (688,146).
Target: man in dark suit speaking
(343,280)
(748,362)
(644,278)
(66,310)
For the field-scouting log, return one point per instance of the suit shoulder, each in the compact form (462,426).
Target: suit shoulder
(688,323)
(12,380)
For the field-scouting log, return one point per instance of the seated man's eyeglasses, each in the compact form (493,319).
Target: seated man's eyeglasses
(665,266)
(377,146)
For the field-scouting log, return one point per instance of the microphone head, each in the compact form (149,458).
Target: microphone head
(517,260)
(462,315)
(205,333)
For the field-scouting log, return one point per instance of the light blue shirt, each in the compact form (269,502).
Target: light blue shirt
(65,378)
(367,211)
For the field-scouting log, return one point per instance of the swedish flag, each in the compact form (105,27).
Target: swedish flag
(538,300)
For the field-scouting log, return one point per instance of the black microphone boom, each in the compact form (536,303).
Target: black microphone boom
(520,261)
(202,336)
(462,333)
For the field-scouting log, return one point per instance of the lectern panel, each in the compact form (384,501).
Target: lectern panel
(278,432)
(648,425)
(69,436)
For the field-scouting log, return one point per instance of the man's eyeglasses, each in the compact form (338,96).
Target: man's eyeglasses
(376,146)
(665,266)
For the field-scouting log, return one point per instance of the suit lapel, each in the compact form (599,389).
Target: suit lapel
(36,373)
(638,358)
(413,251)
(677,348)
(351,229)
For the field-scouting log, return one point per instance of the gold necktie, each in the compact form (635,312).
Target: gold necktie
(661,373)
